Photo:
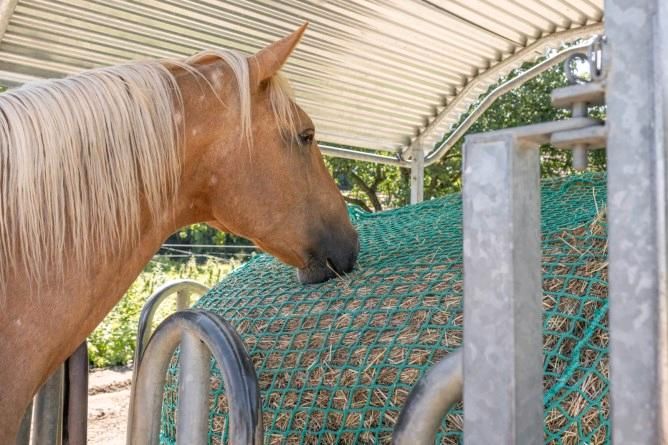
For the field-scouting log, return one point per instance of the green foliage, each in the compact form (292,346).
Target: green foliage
(372,186)
(204,234)
(114,340)
(375,187)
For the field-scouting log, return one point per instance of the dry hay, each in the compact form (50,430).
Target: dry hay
(336,365)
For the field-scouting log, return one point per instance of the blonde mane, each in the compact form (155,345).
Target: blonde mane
(80,156)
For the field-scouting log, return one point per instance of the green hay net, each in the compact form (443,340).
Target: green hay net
(336,361)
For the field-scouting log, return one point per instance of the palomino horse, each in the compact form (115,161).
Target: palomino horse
(96,170)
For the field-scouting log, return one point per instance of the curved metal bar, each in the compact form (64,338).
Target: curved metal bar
(243,395)
(429,401)
(183,289)
(154,301)
(438,152)
(499,91)
(467,96)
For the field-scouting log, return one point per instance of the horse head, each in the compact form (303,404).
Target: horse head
(252,164)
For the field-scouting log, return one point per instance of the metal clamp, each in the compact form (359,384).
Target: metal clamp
(584,91)
(596,54)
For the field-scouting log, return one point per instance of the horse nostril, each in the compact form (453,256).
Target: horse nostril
(337,268)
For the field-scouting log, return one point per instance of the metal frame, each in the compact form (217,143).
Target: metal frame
(205,332)
(503,347)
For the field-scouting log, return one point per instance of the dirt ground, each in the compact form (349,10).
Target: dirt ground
(108,399)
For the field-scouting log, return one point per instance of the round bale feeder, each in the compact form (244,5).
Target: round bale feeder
(336,361)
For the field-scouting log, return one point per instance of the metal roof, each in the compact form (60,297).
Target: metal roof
(378,74)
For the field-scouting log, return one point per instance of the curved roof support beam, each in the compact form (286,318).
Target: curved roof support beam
(495,72)
(441,149)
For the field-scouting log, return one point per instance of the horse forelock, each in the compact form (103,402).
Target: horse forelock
(80,156)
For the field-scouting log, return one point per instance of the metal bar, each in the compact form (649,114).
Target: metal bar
(355,155)
(23,436)
(76,404)
(637,112)
(182,300)
(591,137)
(592,93)
(438,152)
(239,379)
(153,303)
(429,401)
(503,401)
(579,159)
(193,410)
(6,10)
(48,410)
(417,176)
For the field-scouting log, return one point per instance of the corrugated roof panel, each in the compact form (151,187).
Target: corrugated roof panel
(378,74)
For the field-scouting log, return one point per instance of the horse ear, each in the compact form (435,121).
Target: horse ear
(269,60)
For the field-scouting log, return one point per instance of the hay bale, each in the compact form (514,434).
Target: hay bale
(336,361)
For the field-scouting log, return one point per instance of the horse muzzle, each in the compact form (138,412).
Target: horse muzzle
(334,257)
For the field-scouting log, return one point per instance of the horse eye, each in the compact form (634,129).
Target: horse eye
(306,136)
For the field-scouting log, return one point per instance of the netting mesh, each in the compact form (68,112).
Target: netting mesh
(337,360)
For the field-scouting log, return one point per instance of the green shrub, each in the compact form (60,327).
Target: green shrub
(113,342)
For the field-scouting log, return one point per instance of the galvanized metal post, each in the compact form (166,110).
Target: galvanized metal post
(580,150)
(193,413)
(417,174)
(637,33)
(503,401)
(48,410)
